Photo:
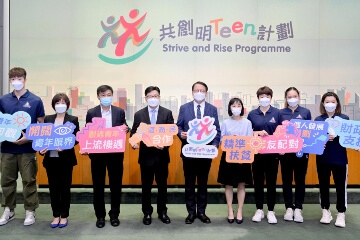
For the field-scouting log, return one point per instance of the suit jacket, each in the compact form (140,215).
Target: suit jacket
(66,156)
(187,113)
(117,118)
(149,156)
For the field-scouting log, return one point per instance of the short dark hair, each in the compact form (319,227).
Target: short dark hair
(338,106)
(58,97)
(231,102)
(288,90)
(201,83)
(152,88)
(17,72)
(264,90)
(104,88)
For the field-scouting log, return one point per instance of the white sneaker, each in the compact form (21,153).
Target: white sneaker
(298,216)
(340,220)
(271,217)
(29,218)
(326,216)
(289,215)
(7,216)
(259,214)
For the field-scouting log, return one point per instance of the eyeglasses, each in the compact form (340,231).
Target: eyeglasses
(202,91)
(152,96)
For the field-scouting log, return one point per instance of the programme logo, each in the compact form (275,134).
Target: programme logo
(131,32)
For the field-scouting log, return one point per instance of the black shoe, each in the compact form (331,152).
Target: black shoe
(100,223)
(231,220)
(114,222)
(239,221)
(147,219)
(164,218)
(190,219)
(203,218)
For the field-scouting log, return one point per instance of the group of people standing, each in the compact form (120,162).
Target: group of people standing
(18,156)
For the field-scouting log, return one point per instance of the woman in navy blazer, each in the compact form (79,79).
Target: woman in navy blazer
(334,160)
(59,163)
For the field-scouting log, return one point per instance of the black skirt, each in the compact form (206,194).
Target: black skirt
(234,173)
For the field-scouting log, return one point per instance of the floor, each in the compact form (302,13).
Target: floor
(82,225)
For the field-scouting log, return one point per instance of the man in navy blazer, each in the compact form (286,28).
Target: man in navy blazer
(114,116)
(196,167)
(153,161)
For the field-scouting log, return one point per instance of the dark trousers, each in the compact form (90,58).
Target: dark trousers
(294,167)
(114,164)
(196,168)
(340,174)
(160,171)
(60,178)
(265,165)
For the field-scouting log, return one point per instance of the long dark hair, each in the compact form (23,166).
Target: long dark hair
(288,90)
(338,106)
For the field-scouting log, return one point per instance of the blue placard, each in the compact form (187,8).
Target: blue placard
(46,135)
(314,135)
(11,125)
(347,130)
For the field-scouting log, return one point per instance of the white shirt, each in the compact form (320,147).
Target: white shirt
(202,108)
(156,112)
(54,153)
(107,116)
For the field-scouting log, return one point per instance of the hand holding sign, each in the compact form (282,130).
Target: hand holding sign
(201,132)
(347,130)
(158,135)
(46,135)
(11,126)
(96,138)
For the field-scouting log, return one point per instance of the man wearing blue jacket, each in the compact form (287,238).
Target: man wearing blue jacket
(196,167)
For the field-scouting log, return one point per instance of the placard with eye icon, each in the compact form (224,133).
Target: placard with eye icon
(46,135)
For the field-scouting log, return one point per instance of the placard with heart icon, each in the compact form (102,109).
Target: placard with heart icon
(314,136)
(347,130)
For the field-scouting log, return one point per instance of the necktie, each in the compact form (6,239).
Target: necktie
(153,118)
(198,114)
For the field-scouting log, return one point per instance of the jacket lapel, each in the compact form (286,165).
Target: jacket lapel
(98,111)
(206,110)
(192,111)
(146,115)
(113,116)
(160,112)
(52,118)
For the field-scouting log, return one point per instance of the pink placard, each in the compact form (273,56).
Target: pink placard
(286,139)
(96,138)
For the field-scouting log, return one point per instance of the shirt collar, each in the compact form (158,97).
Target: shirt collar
(202,105)
(25,95)
(156,109)
(268,111)
(103,111)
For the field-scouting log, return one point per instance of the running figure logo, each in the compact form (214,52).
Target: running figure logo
(131,32)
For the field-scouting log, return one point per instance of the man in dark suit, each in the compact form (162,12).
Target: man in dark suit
(153,160)
(196,167)
(114,116)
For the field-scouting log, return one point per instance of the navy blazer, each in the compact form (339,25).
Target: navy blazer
(66,156)
(117,118)
(148,156)
(187,113)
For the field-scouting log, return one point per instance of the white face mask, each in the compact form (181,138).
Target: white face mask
(293,102)
(199,96)
(60,108)
(265,101)
(330,107)
(153,102)
(236,111)
(17,85)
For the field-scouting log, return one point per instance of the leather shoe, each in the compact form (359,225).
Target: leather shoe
(100,223)
(190,219)
(164,218)
(114,222)
(203,218)
(147,219)
(239,221)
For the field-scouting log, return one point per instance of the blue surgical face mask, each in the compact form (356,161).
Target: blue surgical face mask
(106,101)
